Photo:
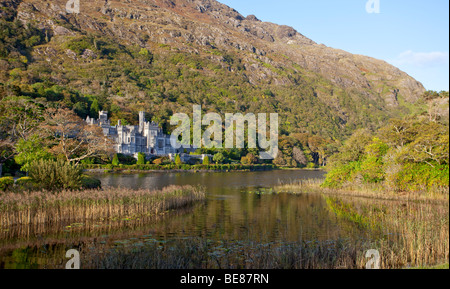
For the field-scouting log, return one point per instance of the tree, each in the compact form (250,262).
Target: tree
(206,160)
(218,158)
(398,133)
(280,160)
(29,151)
(178,160)
(94,108)
(251,159)
(141,159)
(74,138)
(19,118)
(299,157)
(430,145)
(115,161)
(353,149)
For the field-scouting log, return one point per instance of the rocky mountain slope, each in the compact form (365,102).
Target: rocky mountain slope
(165,54)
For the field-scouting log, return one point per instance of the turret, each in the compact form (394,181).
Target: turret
(141,121)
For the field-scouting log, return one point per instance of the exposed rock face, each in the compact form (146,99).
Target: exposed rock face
(193,25)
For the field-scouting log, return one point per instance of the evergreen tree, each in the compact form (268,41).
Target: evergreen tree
(95,108)
(115,161)
(178,160)
(141,159)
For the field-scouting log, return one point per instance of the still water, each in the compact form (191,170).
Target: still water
(232,212)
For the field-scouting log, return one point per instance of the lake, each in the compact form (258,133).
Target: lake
(232,211)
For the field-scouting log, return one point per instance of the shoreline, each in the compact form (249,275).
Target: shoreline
(126,171)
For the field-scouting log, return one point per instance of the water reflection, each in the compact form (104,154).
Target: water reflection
(230,213)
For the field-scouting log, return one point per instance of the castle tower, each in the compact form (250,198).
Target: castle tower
(141,121)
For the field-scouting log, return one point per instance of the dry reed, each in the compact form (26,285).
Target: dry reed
(71,206)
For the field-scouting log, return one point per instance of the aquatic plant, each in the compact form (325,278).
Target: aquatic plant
(78,206)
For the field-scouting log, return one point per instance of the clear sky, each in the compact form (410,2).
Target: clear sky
(410,34)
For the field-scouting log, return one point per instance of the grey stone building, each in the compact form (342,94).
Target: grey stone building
(147,137)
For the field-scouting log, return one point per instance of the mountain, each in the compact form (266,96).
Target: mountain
(162,56)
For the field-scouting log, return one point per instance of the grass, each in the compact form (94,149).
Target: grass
(406,237)
(413,227)
(74,206)
(373,191)
(408,234)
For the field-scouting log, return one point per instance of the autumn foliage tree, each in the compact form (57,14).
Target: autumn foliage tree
(73,138)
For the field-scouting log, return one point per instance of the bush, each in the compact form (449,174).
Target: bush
(6,183)
(26,184)
(311,166)
(206,161)
(245,161)
(55,175)
(88,182)
(219,158)
(342,175)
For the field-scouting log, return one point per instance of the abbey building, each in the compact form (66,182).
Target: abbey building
(146,138)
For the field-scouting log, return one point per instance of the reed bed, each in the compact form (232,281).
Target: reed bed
(197,253)
(408,234)
(415,234)
(413,227)
(91,205)
(406,237)
(375,191)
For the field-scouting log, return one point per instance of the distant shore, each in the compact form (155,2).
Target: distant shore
(194,169)
(132,169)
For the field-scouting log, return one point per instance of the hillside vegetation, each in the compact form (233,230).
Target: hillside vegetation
(162,57)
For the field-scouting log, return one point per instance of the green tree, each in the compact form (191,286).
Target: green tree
(29,151)
(218,158)
(141,159)
(95,108)
(206,160)
(115,161)
(178,160)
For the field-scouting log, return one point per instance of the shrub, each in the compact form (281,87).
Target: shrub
(251,159)
(55,175)
(206,160)
(311,166)
(245,161)
(158,162)
(88,182)
(6,183)
(26,184)
(218,158)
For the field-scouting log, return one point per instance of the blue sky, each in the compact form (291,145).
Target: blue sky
(410,34)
